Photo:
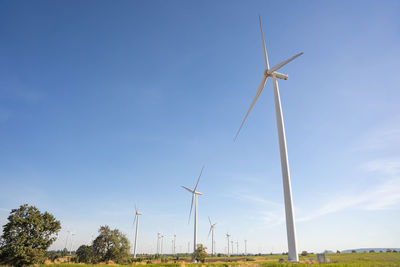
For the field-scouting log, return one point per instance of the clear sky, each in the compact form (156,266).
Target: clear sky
(108,104)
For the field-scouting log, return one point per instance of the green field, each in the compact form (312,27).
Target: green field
(348,259)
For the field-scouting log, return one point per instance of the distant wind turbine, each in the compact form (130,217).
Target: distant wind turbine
(158,243)
(287,190)
(137,214)
(194,199)
(212,227)
(227,236)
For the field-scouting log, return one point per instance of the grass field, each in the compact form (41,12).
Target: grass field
(337,260)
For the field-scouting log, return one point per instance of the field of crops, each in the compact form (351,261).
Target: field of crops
(335,260)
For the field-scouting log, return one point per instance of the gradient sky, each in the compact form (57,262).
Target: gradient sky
(108,104)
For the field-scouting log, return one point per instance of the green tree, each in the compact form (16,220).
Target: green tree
(64,252)
(111,245)
(200,254)
(27,236)
(85,254)
(304,253)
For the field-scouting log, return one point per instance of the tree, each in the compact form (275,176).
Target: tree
(304,253)
(353,251)
(338,251)
(200,254)
(85,254)
(64,252)
(27,236)
(371,251)
(111,245)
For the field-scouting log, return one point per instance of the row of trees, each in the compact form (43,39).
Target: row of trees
(29,233)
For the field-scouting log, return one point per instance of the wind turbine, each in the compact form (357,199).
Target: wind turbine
(194,199)
(212,227)
(174,246)
(158,243)
(227,236)
(287,190)
(162,242)
(137,214)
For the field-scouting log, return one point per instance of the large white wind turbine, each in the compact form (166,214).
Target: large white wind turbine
(212,227)
(137,214)
(287,190)
(194,199)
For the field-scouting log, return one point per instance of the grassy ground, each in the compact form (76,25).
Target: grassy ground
(336,260)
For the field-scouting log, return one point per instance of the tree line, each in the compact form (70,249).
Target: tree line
(29,233)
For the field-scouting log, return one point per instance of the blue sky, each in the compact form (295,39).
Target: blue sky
(108,104)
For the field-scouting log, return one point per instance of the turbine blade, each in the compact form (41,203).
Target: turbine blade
(209,232)
(252,103)
(283,63)
(264,47)
(209,220)
(198,180)
(191,207)
(187,189)
(134,220)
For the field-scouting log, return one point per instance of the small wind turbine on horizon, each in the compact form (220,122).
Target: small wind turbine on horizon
(227,236)
(158,243)
(212,227)
(287,190)
(137,214)
(194,199)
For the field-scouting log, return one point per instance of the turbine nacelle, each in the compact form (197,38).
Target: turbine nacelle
(276,74)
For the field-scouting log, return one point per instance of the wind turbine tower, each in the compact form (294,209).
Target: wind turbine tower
(158,243)
(227,236)
(287,189)
(174,251)
(162,242)
(212,227)
(194,199)
(137,214)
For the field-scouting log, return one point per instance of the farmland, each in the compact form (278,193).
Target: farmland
(341,259)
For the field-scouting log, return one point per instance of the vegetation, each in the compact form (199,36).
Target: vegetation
(111,245)
(336,260)
(27,236)
(200,254)
(85,254)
